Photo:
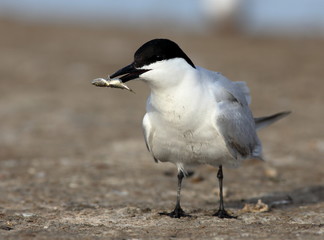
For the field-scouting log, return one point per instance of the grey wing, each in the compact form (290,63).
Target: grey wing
(148,134)
(236,125)
(244,89)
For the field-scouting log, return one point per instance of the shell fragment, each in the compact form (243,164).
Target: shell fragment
(112,83)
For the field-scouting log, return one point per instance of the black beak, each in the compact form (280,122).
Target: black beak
(129,72)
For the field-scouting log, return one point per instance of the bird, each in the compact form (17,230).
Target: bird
(193,115)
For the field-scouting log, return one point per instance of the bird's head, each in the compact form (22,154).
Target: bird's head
(159,61)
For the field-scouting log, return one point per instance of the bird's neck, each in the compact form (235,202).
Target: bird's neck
(176,104)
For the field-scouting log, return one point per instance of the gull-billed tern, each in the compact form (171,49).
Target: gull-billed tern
(193,115)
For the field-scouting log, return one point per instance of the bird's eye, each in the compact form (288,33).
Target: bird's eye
(158,57)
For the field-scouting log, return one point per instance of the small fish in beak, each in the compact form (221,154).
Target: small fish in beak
(112,83)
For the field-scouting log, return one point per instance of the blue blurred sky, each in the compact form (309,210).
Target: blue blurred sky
(285,15)
(259,15)
(110,11)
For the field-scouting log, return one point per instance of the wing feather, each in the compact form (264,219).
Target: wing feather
(148,134)
(235,121)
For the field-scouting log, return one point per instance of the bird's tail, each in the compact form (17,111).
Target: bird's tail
(262,122)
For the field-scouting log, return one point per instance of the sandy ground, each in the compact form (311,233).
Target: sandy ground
(73,163)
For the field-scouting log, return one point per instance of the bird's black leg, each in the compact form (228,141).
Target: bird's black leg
(177,212)
(221,213)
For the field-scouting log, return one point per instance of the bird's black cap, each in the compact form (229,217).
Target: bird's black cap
(157,50)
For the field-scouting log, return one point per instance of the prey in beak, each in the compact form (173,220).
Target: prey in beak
(112,83)
(129,73)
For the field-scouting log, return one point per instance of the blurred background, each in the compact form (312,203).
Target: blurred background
(56,125)
(276,17)
(52,49)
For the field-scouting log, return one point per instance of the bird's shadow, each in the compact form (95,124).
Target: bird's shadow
(294,198)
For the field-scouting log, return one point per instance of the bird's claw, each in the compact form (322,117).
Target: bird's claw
(222,213)
(176,213)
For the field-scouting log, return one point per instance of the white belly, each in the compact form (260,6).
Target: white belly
(189,142)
